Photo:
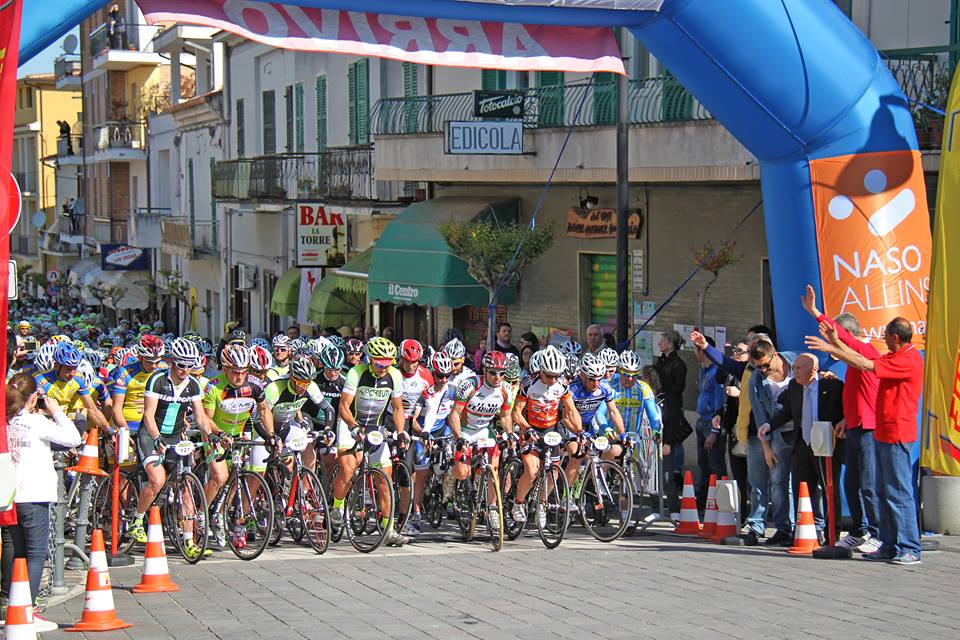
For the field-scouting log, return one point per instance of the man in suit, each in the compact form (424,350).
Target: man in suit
(810,398)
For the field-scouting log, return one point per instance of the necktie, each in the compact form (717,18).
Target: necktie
(806,419)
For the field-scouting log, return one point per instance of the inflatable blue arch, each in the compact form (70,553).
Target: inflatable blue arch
(793,80)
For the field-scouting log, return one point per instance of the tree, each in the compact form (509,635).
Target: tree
(488,249)
(713,259)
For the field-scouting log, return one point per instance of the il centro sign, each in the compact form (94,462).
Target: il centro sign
(499,138)
(402,292)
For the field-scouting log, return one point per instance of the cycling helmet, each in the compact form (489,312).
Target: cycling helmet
(184,352)
(411,350)
(609,358)
(23,324)
(86,373)
(260,342)
(199,365)
(354,345)
(512,373)
(191,335)
(206,348)
(260,359)
(235,356)
(66,355)
(592,367)
(298,346)
(95,358)
(331,358)
(455,349)
(440,363)
(237,336)
(44,357)
(302,369)
(337,340)
(495,361)
(150,347)
(552,361)
(570,347)
(59,338)
(573,365)
(129,357)
(159,326)
(316,346)
(630,362)
(534,365)
(380,348)
(281,340)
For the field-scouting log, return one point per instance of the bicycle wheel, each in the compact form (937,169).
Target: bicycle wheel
(509,477)
(189,515)
(433,500)
(336,533)
(364,516)
(606,502)
(293,523)
(402,483)
(493,515)
(465,506)
(638,488)
(313,510)
(551,506)
(103,505)
(247,514)
(276,476)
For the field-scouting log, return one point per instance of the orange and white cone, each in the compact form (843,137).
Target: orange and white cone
(805,535)
(99,614)
(156,574)
(89,456)
(689,518)
(19,625)
(710,511)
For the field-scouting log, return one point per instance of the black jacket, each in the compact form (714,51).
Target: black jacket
(829,406)
(673,380)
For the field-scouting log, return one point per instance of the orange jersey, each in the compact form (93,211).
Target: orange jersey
(543,402)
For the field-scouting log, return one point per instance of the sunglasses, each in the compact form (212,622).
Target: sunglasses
(766,366)
(739,352)
(498,374)
(595,379)
(441,376)
(300,382)
(627,374)
(183,365)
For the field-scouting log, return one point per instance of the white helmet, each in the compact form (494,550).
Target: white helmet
(552,361)
(44,357)
(630,362)
(455,349)
(85,371)
(183,351)
(281,340)
(570,347)
(609,358)
(592,367)
(534,363)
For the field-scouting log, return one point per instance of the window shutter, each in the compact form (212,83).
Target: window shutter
(288,105)
(298,108)
(604,98)
(493,79)
(241,130)
(321,113)
(550,91)
(363,101)
(352,100)
(410,90)
(269,123)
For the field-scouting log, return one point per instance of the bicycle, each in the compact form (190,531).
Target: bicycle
(243,508)
(547,498)
(641,461)
(402,482)
(300,502)
(471,498)
(363,513)
(440,451)
(602,493)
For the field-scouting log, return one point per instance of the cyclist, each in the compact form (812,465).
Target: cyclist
(369,388)
(635,398)
(167,396)
(480,402)
(281,357)
(536,411)
(330,380)
(429,419)
(458,356)
(228,401)
(64,385)
(610,360)
(354,353)
(128,386)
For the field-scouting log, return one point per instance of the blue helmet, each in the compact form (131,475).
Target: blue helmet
(67,355)
(331,357)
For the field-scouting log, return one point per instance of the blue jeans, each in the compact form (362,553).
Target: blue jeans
(860,481)
(899,531)
(781,493)
(26,539)
(711,461)
(758,475)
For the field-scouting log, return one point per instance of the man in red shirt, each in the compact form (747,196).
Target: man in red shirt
(900,375)
(859,414)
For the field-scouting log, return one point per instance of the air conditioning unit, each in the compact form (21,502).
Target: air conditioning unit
(246,276)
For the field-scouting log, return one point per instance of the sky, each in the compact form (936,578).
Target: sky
(43,63)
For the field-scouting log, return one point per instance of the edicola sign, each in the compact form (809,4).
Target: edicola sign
(321,235)
(501,138)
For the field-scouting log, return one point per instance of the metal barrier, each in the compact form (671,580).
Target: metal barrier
(60,546)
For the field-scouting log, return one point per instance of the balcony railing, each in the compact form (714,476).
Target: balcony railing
(144,227)
(109,231)
(126,38)
(119,134)
(66,65)
(69,145)
(189,239)
(925,75)
(340,174)
(651,100)
(24,245)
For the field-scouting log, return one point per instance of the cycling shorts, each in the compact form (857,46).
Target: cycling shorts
(147,449)
(379,457)
(421,456)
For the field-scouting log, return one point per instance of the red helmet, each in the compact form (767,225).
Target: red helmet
(495,360)
(411,350)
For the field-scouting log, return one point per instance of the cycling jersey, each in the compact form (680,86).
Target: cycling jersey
(413,387)
(277,372)
(172,400)
(231,405)
(457,379)
(479,405)
(638,405)
(313,404)
(131,381)
(371,395)
(435,407)
(63,391)
(588,402)
(331,389)
(543,402)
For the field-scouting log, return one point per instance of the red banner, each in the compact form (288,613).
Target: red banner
(10,14)
(437,41)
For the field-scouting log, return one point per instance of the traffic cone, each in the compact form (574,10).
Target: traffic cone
(99,613)
(156,575)
(805,535)
(689,518)
(710,513)
(19,625)
(89,456)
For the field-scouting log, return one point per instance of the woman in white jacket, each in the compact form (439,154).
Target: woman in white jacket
(30,432)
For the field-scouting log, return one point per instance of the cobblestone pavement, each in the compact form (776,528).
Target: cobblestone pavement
(658,586)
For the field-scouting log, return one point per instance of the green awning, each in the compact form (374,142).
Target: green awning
(286,294)
(331,306)
(412,263)
(353,275)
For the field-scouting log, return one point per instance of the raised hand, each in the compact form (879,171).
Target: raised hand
(809,302)
(698,340)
